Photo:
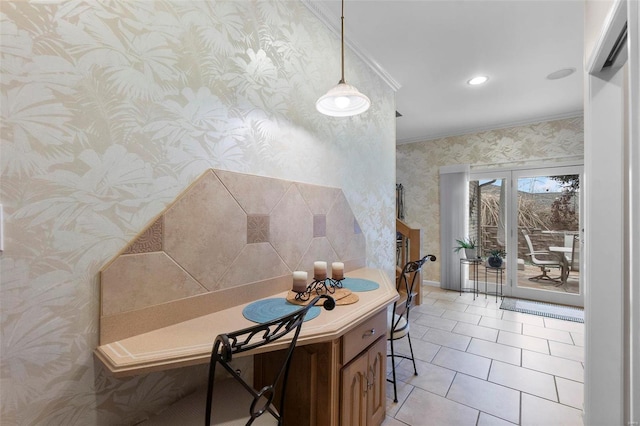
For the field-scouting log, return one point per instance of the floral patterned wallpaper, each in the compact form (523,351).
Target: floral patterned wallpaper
(418,165)
(109,110)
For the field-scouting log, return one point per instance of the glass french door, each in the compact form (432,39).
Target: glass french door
(534,216)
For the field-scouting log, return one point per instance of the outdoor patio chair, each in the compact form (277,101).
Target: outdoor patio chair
(544,260)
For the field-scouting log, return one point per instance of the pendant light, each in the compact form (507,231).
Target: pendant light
(343,100)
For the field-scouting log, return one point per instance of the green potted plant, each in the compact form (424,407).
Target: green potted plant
(468,244)
(496,257)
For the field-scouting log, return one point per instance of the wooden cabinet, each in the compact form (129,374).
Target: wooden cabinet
(362,401)
(340,382)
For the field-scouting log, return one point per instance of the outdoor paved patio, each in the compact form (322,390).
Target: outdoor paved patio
(531,271)
(572,285)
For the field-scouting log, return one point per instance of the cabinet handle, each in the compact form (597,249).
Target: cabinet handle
(372,383)
(367,385)
(369,333)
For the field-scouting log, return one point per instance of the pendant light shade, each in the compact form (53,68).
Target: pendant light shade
(343,100)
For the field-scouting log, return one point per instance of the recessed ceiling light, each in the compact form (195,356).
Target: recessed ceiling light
(565,72)
(478,80)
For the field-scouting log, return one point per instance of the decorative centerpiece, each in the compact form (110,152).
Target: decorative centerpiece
(321,283)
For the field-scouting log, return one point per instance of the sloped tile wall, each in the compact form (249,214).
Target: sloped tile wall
(226,231)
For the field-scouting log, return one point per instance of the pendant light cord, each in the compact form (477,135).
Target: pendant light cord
(342,43)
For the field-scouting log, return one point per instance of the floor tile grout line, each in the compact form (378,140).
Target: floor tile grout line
(451,384)
(520,410)
(489,372)
(555,384)
(521,355)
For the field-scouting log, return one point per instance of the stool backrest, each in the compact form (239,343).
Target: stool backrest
(227,345)
(405,286)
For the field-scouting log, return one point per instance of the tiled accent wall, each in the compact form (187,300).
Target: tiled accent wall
(225,231)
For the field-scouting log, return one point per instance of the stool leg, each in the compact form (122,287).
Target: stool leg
(415,370)
(393,371)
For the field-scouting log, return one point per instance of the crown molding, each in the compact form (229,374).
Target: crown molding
(572,114)
(321,13)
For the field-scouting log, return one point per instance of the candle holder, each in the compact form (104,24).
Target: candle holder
(325,286)
(321,287)
(336,283)
(302,296)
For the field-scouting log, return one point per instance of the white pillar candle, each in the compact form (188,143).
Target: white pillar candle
(320,271)
(299,281)
(337,270)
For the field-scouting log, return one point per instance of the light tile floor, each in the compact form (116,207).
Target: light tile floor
(479,365)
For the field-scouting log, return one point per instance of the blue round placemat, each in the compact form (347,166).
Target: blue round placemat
(266,310)
(359,284)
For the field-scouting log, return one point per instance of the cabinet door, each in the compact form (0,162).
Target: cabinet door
(353,404)
(376,392)
(313,388)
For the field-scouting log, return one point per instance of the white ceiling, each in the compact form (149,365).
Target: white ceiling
(432,48)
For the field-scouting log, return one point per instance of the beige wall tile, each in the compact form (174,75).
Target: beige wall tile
(291,227)
(319,225)
(257,229)
(319,249)
(256,262)
(127,324)
(256,194)
(205,230)
(149,240)
(136,281)
(318,198)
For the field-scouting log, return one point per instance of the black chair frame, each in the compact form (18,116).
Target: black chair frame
(227,345)
(401,310)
